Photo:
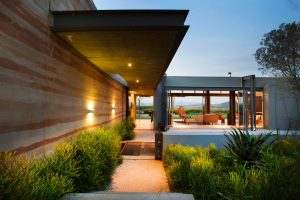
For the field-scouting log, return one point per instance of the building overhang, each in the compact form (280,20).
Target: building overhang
(217,83)
(136,45)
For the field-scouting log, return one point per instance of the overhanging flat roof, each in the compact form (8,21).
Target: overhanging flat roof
(111,39)
(214,82)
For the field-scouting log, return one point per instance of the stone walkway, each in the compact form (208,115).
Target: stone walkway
(143,124)
(140,173)
(140,176)
(127,196)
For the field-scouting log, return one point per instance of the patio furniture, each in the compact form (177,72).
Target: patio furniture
(221,117)
(198,119)
(189,120)
(181,113)
(210,118)
(203,119)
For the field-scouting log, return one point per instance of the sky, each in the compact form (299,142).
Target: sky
(223,34)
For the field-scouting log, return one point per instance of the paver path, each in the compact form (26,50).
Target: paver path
(140,176)
(140,173)
(127,196)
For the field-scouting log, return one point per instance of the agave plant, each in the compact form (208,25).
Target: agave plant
(247,148)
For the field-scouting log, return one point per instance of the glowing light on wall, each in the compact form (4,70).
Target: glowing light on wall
(90,118)
(91,110)
(113,108)
(90,107)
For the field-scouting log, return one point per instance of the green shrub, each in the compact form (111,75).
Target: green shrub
(51,186)
(283,166)
(242,183)
(22,180)
(209,174)
(56,174)
(61,162)
(82,164)
(246,148)
(98,153)
(203,177)
(177,159)
(186,165)
(15,179)
(126,129)
(205,173)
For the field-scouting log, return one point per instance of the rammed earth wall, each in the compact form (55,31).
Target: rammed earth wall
(46,87)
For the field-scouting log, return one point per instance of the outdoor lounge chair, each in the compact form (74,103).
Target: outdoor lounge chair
(204,119)
(181,113)
(221,117)
(210,118)
(198,119)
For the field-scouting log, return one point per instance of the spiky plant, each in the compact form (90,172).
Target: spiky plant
(247,148)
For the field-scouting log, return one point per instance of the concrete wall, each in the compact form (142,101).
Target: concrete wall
(194,138)
(46,87)
(281,107)
(204,137)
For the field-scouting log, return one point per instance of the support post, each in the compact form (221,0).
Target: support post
(252,107)
(165,113)
(245,112)
(232,120)
(253,102)
(132,106)
(207,102)
(160,106)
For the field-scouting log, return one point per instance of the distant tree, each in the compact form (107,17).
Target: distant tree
(280,53)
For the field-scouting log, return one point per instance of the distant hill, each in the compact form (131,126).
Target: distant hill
(192,104)
(221,105)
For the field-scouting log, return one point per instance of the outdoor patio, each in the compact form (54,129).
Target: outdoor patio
(179,125)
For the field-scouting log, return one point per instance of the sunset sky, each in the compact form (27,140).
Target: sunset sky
(223,34)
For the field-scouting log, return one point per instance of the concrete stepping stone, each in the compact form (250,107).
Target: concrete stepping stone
(127,196)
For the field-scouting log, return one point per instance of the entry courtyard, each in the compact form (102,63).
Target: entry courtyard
(157,100)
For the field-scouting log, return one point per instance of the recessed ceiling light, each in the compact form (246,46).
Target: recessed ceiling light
(137,81)
(129,64)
